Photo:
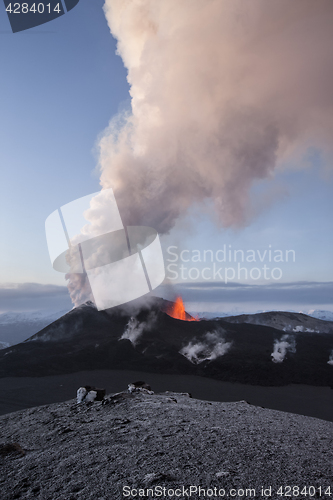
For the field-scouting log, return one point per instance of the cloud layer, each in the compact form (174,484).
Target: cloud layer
(284,296)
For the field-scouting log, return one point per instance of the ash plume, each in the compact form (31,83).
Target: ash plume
(213,346)
(223,92)
(286,344)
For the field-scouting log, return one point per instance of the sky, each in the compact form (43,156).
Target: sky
(61,84)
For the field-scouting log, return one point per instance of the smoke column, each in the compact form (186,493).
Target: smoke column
(222,93)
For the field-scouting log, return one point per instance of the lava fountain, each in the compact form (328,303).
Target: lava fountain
(177,311)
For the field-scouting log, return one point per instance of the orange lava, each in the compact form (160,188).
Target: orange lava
(177,311)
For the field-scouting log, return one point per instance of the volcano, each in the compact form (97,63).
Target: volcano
(149,339)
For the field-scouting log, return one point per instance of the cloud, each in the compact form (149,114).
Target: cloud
(286,344)
(223,92)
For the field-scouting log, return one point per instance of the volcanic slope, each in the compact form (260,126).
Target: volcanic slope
(286,321)
(68,451)
(150,340)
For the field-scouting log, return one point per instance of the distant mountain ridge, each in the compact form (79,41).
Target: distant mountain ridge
(148,339)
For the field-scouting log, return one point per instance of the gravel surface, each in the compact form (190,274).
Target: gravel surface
(139,444)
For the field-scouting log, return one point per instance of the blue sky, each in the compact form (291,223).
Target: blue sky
(61,83)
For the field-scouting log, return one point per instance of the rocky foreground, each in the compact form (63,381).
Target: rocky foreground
(162,446)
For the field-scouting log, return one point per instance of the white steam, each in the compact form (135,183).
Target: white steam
(211,348)
(134,328)
(222,92)
(330,361)
(286,344)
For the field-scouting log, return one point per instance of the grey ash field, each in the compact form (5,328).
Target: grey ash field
(168,440)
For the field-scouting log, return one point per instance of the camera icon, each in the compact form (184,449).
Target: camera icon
(121,263)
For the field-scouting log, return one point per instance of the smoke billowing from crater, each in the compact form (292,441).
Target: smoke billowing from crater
(135,328)
(286,344)
(222,92)
(213,346)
